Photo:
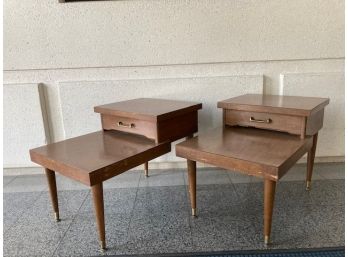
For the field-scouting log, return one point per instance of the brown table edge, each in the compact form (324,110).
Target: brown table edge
(162,117)
(188,153)
(90,178)
(270,109)
(277,172)
(73,173)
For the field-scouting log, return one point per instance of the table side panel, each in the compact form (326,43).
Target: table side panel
(321,106)
(178,127)
(315,122)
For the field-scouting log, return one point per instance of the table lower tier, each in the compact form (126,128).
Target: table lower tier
(94,158)
(265,154)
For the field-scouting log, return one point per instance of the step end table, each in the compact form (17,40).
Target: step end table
(263,136)
(134,132)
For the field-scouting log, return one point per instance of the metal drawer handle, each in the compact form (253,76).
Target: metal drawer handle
(252,119)
(124,125)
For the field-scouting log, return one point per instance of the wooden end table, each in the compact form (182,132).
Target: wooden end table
(263,136)
(134,132)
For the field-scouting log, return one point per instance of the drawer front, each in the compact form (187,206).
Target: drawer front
(134,126)
(286,123)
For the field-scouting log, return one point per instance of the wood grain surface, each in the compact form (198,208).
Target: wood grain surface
(290,105)
(98,156)
(253,151)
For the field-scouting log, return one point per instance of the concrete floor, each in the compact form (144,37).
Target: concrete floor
(152,215)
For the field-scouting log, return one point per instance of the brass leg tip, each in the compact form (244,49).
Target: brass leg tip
(102,246)
(56,216)
(308,185)
(194,214)
(266,240)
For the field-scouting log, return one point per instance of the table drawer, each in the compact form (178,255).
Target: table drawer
(287,123)
(130,125)
(158,119)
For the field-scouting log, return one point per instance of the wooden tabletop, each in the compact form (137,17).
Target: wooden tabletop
(151,109)
(253,151)
(97,156)
(291,105)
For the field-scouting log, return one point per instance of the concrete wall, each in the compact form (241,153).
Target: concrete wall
(87,53)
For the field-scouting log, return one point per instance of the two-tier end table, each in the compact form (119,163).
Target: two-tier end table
(263,136)
(134,132)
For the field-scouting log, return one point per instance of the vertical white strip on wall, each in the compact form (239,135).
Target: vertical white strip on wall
(23,123)
(281,84)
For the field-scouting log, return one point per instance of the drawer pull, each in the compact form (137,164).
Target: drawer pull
(252,119)
(124,125)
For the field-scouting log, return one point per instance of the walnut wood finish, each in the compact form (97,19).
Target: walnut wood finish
(257,152)
(96,157)
(310,162)
(269,193)
(98,199)
(151,121)
(314,122)
(157,119)
(287,105)
(177,127)
(279,122)
(130,125)
(150,109)
(134,132)
(191,168)
(263,153)
(52,186)
(295,115)
(162,131)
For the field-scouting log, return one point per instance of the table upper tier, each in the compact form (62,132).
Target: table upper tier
(150,109)
(290,105)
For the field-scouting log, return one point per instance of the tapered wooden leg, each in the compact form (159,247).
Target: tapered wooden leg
(98,199)
(191,167)
(310,162)
(146,169)
(269,191)
(52,186)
